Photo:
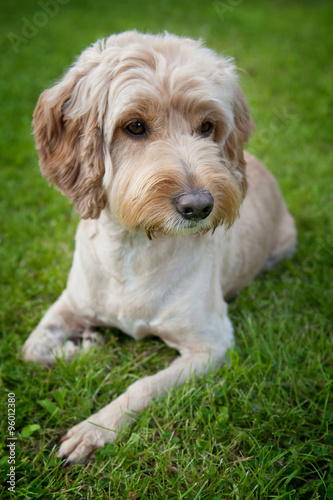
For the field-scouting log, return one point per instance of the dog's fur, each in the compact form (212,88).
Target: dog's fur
(140,263)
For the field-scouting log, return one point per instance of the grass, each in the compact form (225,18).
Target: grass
(259,428)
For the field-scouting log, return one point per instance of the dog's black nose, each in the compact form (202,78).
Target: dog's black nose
(194,206)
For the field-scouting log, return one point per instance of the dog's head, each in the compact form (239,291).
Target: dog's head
(152,127)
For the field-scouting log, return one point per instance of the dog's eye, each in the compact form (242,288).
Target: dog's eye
(136,128)
(206,128)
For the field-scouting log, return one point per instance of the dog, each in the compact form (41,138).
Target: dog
(145,134)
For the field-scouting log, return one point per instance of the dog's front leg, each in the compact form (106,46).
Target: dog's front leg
(104,426)
(62,332)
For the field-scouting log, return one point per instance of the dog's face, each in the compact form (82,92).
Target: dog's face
(152,126)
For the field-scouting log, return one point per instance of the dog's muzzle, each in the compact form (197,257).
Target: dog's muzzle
(194,206)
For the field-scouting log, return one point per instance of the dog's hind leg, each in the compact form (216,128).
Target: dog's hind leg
(103,427)
(61,333)
(285,240)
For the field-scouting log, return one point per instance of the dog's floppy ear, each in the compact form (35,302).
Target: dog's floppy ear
(69,141)
(238,137)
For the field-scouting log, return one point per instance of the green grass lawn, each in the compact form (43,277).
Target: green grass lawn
(259,428)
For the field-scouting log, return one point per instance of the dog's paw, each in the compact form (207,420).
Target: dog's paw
(45,349)
(83,440)
(41,351)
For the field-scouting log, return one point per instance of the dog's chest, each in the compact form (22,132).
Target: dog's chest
(130,286)
(132,305)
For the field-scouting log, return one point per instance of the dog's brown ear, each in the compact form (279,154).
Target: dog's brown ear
(70,145)
(238,137)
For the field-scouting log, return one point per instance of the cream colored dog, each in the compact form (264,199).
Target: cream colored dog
(145,134)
